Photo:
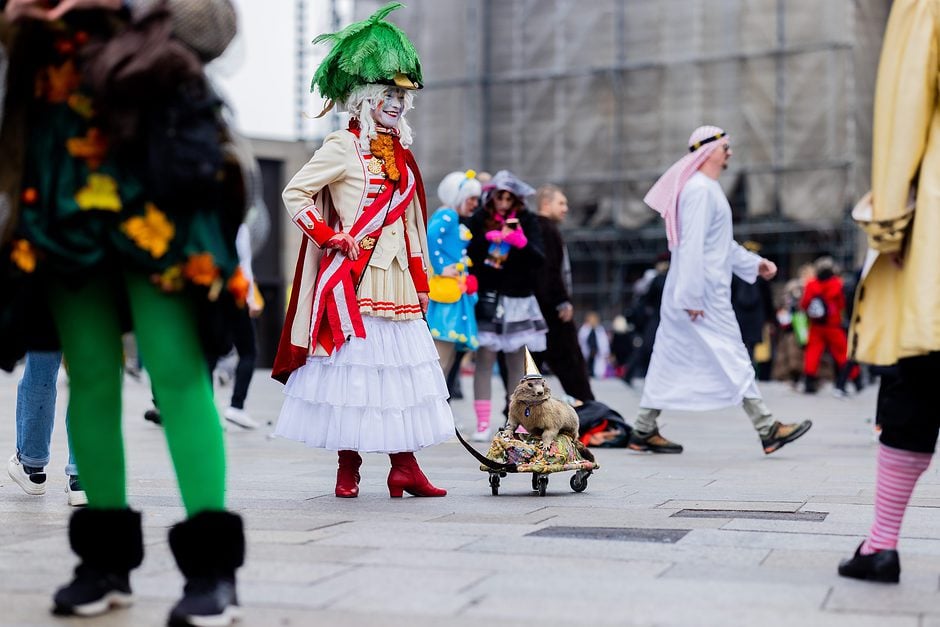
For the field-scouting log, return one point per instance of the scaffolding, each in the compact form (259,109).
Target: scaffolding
(599,97)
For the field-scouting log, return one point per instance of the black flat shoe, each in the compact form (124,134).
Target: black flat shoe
(882,566)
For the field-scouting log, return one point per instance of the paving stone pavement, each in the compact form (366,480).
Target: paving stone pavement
(471,559)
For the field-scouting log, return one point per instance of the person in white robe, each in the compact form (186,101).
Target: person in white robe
(699,360)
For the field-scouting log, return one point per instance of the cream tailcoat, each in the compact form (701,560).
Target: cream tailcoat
(897,311)
(340,167)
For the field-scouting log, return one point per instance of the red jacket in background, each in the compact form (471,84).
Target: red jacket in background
(830,290)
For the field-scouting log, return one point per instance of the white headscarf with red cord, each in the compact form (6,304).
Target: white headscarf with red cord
(664,195)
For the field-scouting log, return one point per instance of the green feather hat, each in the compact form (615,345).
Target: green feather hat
(366,52)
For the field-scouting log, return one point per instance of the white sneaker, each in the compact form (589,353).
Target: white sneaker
(481,436)
(240,417)
(32,480)
(73,489)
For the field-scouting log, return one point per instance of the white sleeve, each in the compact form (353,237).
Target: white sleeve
(689,259)
(744,263)
(243,248)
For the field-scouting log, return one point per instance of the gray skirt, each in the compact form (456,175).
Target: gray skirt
(518,322)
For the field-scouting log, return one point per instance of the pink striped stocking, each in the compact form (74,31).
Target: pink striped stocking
(898,472)
(482,409)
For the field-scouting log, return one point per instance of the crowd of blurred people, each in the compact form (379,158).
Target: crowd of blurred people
(794,330)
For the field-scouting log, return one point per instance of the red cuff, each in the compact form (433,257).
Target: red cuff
(313,226)
(418,274)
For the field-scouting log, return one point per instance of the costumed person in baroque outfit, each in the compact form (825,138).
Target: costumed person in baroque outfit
(699,361)
(896,319)
(360,366)
(103,242)
(453,290)
(506,251)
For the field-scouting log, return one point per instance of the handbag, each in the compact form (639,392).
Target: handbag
(487,305)
(444,289)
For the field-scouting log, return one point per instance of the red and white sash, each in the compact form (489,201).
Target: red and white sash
(334,300)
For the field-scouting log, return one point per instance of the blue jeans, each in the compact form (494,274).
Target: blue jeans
(35,410)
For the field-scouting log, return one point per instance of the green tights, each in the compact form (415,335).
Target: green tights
(165,326)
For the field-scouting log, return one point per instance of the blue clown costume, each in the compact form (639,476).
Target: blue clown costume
(453,322)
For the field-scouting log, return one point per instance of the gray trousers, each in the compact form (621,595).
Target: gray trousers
(755,409)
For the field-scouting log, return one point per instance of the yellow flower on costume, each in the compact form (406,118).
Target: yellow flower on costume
(82,105)
(171,280)
(452,335)
(201,269)
(435,333)
(23,255)
(100,192)
(462,337)
(152,231)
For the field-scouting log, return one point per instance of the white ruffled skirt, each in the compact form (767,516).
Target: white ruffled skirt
(384,393)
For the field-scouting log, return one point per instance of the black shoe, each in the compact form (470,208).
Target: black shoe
(208,548)
(93,592)
(110,544)
(781,434)
(153,415)
(652,442)
(206,602)
(882,566)
(811,386)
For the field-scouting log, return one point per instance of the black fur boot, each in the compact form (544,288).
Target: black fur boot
(110,544)
(208,548)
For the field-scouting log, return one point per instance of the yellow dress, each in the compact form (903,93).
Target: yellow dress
(897,311)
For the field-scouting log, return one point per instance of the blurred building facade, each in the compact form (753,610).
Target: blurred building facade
(600,96)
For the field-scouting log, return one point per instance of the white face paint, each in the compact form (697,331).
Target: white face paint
(388,111)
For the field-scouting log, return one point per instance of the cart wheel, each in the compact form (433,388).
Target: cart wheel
(494,483)
(535,481)
(543,484)
(579,480)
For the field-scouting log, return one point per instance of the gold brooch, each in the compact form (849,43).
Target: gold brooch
(367,243)
(375,165)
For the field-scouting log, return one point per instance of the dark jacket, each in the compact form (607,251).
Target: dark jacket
(519,272)
(550,288)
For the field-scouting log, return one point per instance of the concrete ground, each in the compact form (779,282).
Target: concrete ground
(648,546)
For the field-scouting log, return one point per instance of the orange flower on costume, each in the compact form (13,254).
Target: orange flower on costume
(23,255)
(58,83)
(152,231)
(200,269)
(383,147)
(92,148)
(238,286)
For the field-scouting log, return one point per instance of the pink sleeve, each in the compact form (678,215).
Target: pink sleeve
(517,238)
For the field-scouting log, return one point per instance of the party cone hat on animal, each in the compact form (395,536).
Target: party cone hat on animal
(531,370)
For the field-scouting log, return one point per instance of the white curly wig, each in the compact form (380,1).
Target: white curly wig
(360,104)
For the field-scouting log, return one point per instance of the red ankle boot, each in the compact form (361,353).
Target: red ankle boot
(406,476)
(347,475)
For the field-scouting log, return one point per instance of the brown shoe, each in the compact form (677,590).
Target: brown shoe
(653,442)
(781,434)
